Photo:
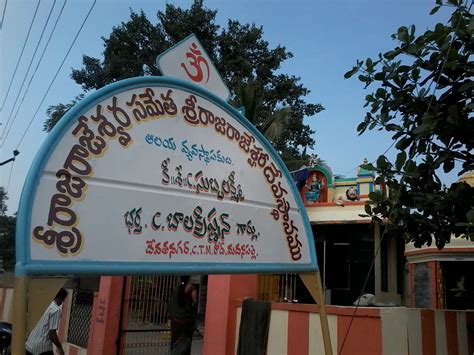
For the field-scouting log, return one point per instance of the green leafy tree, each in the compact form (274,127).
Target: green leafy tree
(243,58)
(55,113)
(7,234)
(423,93)
(3,200)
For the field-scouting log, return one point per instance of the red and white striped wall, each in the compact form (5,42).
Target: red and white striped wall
(296,330)
(440,332)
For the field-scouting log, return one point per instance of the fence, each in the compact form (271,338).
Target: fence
(295,330)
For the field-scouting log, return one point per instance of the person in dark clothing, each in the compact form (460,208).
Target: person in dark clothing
(182,314)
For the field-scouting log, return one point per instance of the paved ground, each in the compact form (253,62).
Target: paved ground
(163,349)
(155,340)
(196,348)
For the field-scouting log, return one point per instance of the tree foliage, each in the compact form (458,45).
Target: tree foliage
(3,200)
(7,234)
(423,94)
(243,58)
(55,113)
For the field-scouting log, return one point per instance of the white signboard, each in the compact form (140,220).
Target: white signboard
(189,61)
(153,175)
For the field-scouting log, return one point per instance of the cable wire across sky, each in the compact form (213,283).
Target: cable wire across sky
(35,71)
(28,70)
(53,79)
(3,13)
(21,55)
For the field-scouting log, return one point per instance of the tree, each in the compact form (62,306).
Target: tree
(7,234)
(423,95)
(55,112)
(241,55)
(3,200)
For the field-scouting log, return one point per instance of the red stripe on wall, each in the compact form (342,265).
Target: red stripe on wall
(451,332)
(64,317)
(470,334)
(364,338)
(72,350)
(432,265)
(428,333)
(298,333)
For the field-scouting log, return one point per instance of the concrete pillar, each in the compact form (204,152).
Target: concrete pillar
(105,318)
(221,314)
(432,266)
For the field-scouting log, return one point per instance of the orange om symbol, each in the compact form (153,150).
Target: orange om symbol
(197,61)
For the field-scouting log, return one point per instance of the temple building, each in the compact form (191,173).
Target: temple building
(346,240)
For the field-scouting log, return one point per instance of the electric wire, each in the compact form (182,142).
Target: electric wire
(28,70)
(399,190)
(9,177)
(21,54)
(373,161)
(34,72)
(3,14)
(55,75)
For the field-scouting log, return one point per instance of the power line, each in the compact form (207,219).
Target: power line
(21,54)
(3,14)
(373,161)
(10,177)
(34,72)
(29,67)
(57,72)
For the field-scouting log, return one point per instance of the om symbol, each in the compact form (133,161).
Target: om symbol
(198,62)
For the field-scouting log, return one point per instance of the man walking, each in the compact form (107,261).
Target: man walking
(43,335)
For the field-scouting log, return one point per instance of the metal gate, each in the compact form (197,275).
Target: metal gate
(277,287)
(145,328)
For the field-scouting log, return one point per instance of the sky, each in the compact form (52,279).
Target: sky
(325,36)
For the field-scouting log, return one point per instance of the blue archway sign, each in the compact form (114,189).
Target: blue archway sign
(158,175)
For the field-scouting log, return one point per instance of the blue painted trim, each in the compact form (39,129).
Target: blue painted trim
(345,179)
(346,185)
(371,187)
(366,175)
(134,268)
(211,63)
(26,266)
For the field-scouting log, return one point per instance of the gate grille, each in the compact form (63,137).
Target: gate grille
(147,330)
(277,287)
(80,318)
(149,295)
